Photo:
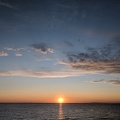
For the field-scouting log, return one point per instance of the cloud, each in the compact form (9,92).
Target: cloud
(103,67)
(18,49)
(14,49)
(68,43)
(98,81)
(105,59)
(43,74)
(18,54)
(113,82)
(43,59)
(42,47)
(9,49)
(2,53)
(6,5)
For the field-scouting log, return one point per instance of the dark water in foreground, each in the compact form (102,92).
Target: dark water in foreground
(57,111)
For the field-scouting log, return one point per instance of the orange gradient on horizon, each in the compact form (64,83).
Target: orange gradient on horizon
(50,98)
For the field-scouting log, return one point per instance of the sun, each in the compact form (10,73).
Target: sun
(60,100)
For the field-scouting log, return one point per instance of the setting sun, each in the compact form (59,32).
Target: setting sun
(60,100)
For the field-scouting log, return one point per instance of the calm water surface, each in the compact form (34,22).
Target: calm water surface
(59,111)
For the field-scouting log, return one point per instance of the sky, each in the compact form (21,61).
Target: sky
(60,48)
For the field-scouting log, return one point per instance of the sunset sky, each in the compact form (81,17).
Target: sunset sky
(60,48)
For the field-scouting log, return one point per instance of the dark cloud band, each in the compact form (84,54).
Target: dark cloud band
(106,59)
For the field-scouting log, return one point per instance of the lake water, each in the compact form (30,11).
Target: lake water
(59,111)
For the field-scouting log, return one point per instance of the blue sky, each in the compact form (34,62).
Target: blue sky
(60,48)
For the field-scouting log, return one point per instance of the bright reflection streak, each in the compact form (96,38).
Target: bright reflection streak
(60,114)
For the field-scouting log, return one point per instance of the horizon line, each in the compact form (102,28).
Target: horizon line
(59,103)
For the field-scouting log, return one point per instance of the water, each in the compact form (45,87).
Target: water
(59,111)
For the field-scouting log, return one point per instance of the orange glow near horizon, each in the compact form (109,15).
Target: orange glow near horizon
(66,98)
(60,100)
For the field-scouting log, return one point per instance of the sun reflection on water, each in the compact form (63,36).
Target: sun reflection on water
(60,113)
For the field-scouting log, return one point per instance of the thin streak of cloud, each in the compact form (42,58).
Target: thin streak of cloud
(98,81)
(45,59)
(18,49)
(18,54)
(6,5)
(43,74)
(10,49)
(105,67)
(113,82)
(68,43)
(14,49)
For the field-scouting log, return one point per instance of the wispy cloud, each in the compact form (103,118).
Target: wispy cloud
(43,74)
(10,49)
(68,43)
(42,47)
(113,82)
(98,81)
(43,59)
(101,66)
(18,54)
(6,5)
(18,49)
(2,53)
(14,49)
